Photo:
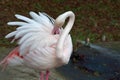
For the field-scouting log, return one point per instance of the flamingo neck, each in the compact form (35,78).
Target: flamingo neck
(65,32)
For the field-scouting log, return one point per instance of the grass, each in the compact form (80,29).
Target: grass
(93,18)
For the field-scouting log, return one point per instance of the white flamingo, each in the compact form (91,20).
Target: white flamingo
(42,43)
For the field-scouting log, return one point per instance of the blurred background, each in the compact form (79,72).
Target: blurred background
(97,19)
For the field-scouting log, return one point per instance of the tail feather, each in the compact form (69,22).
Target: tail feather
(12,59)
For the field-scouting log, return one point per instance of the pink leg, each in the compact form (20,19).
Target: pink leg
(41,76)
(47,74)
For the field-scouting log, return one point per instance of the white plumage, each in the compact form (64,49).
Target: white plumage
(38,44)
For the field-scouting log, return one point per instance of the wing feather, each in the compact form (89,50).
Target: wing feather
(25,37)
(43,17)
(23,32)
(35,16)
(28,26)
(17,23)
(24,18)
(26,45)
(32,31)
(11,34)
(50,18)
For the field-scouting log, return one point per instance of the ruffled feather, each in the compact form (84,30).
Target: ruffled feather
(31,29)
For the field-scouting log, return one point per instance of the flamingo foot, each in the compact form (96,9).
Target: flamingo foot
(47,74)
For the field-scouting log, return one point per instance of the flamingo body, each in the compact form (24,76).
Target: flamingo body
(37,43)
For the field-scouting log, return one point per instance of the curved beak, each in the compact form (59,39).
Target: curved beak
(56,30)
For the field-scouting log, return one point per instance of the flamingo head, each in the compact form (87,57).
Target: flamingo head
(59,22)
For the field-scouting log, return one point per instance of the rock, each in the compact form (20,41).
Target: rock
(98,61)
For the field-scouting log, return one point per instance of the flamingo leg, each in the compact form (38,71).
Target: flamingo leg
(41,76)
(47,74)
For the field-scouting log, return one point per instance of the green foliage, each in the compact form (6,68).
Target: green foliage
(38,6)
(58,1)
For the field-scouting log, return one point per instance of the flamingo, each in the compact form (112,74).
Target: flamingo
(42,42)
